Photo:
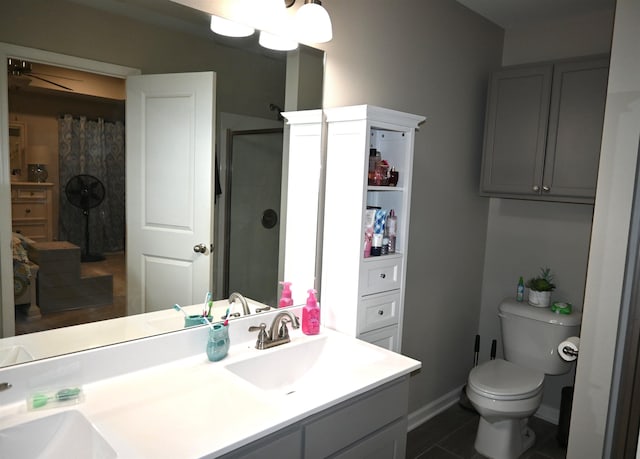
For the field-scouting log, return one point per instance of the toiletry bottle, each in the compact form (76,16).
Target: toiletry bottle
(311,315)
(285,296)
(520,290)
(372,165)
(392,229)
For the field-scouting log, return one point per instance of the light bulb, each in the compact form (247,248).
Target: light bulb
(276,42)
(228,28)
(313,24)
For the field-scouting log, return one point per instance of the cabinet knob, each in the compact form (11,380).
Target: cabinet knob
(546,189)
(28,211)
(380,312)
(536,188)
(382,275)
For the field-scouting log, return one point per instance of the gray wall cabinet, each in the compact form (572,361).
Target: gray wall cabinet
(372,425)
(543,131)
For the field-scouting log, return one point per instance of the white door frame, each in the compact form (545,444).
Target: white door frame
(7,315)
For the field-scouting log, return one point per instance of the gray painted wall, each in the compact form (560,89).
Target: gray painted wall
(526,235)
(429,58)
(70,28)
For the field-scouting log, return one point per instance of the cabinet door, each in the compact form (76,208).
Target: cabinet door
(575,128)
(389,443)
(285,444)
(515,131)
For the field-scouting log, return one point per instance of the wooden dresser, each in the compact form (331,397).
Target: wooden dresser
(32,210)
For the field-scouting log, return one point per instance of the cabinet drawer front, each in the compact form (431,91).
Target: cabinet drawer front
(28,210)
(328,434)
(31,194)
(38,231)
(386,338)
(380,276)
(379,311)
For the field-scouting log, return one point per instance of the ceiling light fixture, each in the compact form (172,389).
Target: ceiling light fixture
(278,30)
(276,42)
(228,28)
(313,23)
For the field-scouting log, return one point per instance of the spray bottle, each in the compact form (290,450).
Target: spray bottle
(285,297)
(311,315)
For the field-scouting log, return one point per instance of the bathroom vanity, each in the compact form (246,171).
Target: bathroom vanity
(161,397)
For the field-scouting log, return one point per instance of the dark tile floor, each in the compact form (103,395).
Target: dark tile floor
(451,434)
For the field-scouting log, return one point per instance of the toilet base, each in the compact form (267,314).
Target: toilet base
(506,439)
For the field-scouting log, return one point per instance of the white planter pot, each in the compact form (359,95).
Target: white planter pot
(539,299)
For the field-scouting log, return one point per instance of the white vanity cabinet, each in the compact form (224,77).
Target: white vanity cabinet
(371,425)
(361,296)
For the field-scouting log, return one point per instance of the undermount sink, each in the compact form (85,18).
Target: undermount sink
(14,354)
(301,366)
(63,435)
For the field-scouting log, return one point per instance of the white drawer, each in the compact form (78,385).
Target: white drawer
(385,337)
(380,275)
(378,311)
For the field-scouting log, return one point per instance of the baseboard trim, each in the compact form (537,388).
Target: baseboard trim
(548,413)
(422,415)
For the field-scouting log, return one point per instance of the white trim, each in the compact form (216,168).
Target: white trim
(7,315)
(548,413)
(422,415)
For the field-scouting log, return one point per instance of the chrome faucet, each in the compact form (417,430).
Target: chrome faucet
(245,306)
(278,332)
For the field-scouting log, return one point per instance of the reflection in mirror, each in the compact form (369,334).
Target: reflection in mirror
(166,48)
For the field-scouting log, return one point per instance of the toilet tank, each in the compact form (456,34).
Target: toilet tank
(530,335)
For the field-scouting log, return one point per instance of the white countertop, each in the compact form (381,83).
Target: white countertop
(192,407)
(76,338)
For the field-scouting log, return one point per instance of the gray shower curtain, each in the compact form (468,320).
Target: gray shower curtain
(96,148)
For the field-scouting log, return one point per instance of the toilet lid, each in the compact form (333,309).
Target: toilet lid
(505,380)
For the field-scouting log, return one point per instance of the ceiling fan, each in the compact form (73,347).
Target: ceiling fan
(18,68)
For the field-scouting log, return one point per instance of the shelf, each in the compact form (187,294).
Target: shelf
(384,188)
(389,256)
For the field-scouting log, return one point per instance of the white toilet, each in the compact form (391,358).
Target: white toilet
(506,392)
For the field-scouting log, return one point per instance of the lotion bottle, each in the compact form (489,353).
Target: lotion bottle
(311,315)
(285,296)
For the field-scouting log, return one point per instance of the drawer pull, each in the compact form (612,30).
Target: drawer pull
(28,211)
(380,312)
(383,275)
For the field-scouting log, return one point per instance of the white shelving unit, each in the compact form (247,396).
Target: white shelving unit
(364,297)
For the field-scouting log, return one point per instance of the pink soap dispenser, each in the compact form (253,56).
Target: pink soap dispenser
(285,296)
(311,315)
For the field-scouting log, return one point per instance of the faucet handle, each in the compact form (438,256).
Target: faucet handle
(262,334)
(283,332)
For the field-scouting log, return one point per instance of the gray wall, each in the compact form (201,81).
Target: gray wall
(69,28)
(430,58)
(526,235)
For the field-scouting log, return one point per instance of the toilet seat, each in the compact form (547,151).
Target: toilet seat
(501,380)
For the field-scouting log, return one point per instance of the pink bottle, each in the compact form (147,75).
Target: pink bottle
(311,315)
(285,297)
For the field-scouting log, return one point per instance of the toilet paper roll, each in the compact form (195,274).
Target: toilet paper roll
(568,349)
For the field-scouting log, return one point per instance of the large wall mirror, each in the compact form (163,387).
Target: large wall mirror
(120,38)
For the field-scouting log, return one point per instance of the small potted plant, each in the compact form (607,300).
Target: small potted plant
(540,288)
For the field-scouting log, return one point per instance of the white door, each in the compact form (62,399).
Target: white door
(169,176)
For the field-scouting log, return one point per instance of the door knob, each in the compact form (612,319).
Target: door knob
(200,248)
